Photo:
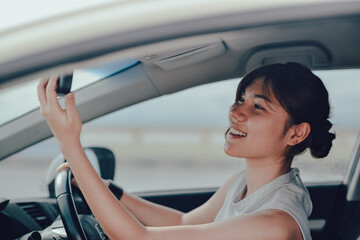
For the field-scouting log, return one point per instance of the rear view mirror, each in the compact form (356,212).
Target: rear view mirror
(102,159)
(63,84)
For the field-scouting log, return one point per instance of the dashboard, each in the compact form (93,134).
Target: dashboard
(39,219)
(18,218)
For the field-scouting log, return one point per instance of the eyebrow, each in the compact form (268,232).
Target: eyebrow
(262,97)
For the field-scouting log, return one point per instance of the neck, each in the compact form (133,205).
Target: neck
(261,172)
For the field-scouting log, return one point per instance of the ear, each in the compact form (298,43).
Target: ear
(298,133)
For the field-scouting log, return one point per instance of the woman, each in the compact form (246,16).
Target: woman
(280,110)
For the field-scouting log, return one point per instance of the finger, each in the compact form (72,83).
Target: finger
(51,95)
(63,166)
(41,92)
(70,106)
(74,182)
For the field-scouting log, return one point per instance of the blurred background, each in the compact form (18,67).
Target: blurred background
(176,141)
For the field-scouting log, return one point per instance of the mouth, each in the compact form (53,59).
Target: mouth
(237,133)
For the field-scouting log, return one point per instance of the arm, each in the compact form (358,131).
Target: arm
(113,216)
(151,214)
(265,225)
(66,127)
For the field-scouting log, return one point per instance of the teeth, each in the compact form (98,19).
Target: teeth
(236,132)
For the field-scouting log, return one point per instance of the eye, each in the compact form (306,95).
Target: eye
(241,100)
(257,106)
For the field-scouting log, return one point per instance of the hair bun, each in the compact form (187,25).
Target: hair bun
(321,141)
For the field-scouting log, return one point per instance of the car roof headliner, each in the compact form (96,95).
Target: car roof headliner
(74,38)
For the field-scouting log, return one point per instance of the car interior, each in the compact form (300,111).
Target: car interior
(169,58)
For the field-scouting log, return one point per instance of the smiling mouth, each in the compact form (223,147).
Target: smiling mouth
(236,132)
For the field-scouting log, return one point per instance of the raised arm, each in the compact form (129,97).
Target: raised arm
(66,127)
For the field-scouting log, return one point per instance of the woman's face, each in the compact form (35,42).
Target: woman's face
(256,126)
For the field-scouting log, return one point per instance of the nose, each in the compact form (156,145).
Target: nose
(236,115)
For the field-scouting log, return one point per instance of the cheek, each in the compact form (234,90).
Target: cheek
(266,133)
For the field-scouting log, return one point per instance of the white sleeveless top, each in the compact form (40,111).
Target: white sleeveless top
(286,192)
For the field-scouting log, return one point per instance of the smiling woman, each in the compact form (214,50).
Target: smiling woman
(273,135)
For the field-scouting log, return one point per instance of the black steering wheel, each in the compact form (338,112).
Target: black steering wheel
(77,227)
(66,204)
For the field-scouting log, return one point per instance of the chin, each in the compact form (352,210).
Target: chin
(232,151)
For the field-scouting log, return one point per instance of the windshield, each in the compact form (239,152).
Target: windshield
(18,100)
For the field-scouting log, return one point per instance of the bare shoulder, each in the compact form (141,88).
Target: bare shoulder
(283,225)
(207,212)
(227,184)
(220,194)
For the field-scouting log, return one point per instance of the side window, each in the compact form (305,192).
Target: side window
(176,141)
(172,142)
(343,87)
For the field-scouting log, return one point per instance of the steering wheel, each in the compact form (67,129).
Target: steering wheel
(77,227)
(66,204)
(74,223)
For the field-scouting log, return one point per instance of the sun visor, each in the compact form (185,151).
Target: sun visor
(309,54)
(187,57)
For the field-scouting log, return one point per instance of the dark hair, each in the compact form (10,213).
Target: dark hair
(303,96)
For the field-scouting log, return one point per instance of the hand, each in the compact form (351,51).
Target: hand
(65,124)
(66,165)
